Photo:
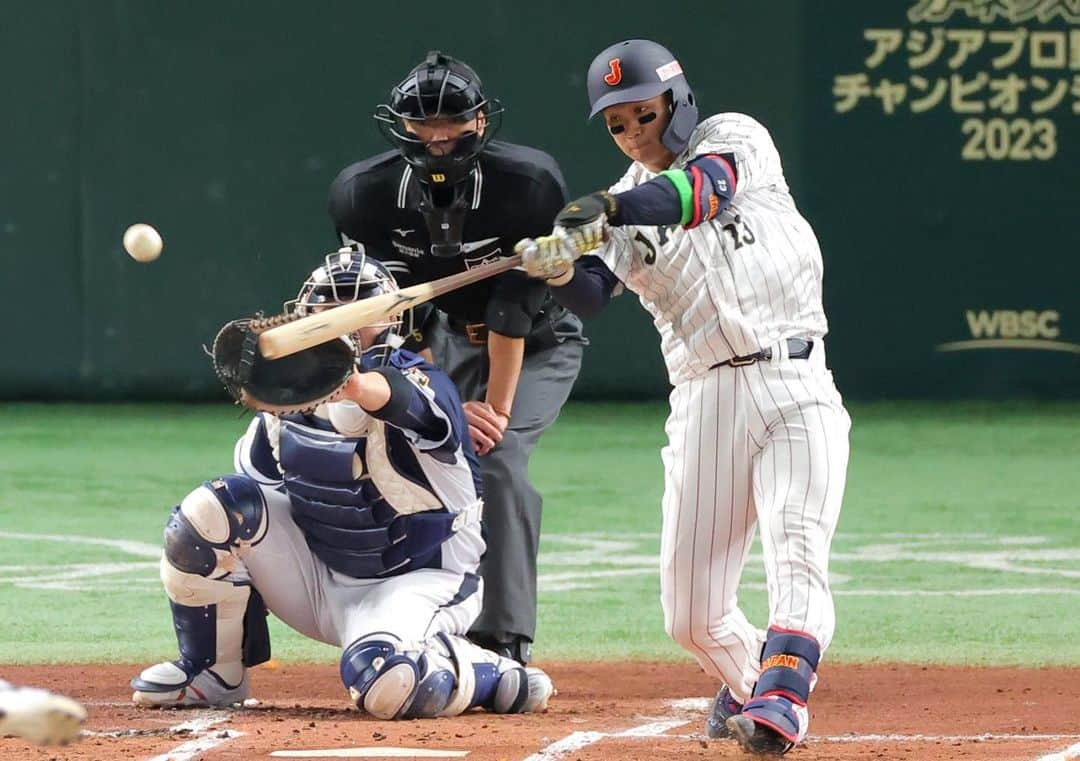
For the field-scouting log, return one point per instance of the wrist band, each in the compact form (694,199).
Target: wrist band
(678,178)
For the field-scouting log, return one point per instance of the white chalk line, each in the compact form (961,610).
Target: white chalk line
(901,739)
(199,724)
(381,752)
(1073,751)
(572,743)
(578,740)
(107,703)
(986,736)
(570,563)
(200,744)
(138,549)
(575,562)
(197,727)
(193,748)
(702,705)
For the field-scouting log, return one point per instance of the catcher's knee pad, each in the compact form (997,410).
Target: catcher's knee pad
(215,524)
(380,678)
(789,661)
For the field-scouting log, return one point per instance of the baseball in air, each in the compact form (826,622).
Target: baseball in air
(143,242)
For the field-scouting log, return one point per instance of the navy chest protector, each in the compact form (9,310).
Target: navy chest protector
(359,514)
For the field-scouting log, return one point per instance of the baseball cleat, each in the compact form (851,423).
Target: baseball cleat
(723,708)
(168,685)
(39,716)
(757,738)
(541,689)
(770,725)
(510,697)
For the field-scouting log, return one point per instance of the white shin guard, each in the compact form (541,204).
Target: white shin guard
(199,592)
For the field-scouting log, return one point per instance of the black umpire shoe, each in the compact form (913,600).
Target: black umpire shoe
(518,647)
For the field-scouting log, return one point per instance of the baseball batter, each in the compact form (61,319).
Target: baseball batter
(703,229)
(358,524)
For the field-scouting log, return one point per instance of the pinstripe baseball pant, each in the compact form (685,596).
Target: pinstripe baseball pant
(760,445)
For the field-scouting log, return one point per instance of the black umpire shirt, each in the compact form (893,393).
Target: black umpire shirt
(513,192)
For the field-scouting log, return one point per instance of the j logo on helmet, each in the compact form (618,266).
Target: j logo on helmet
(614,76)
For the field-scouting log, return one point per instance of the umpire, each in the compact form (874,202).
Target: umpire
(449,198)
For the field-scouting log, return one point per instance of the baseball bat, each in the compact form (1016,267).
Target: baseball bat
(325,326)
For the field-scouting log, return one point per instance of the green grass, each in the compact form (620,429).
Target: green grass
(957,544)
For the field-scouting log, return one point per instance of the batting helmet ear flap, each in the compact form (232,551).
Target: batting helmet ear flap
(684,118)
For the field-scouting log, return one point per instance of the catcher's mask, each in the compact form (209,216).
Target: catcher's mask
(346,276)
(446,92)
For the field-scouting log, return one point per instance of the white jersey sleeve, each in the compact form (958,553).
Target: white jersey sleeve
(757,162)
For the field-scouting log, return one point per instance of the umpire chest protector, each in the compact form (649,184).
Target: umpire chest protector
(363,502)
(511,192)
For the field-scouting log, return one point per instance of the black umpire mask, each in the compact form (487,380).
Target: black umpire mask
(440,88)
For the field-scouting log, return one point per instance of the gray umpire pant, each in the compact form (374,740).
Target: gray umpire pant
(512,505)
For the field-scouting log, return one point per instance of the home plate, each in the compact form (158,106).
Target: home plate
(385,752)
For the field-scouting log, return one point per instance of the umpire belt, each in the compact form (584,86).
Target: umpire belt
(541,335)
(476,332)
(798,348)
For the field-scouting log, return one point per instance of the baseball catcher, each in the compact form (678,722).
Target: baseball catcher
(353,516)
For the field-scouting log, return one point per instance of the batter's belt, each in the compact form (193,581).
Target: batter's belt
(798,348)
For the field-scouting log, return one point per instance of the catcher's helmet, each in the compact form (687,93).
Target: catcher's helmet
(446,88)
(346,276)
(635,70)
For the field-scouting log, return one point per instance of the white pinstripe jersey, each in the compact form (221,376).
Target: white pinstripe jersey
(740,282)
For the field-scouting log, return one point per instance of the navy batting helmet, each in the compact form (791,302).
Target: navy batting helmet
(635,70)
(445,88)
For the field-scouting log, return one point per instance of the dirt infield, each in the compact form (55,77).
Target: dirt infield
(629,712)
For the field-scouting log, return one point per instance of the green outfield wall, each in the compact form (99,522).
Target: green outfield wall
(933,144)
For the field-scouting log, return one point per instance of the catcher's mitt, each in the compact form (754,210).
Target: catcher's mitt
(297,383)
